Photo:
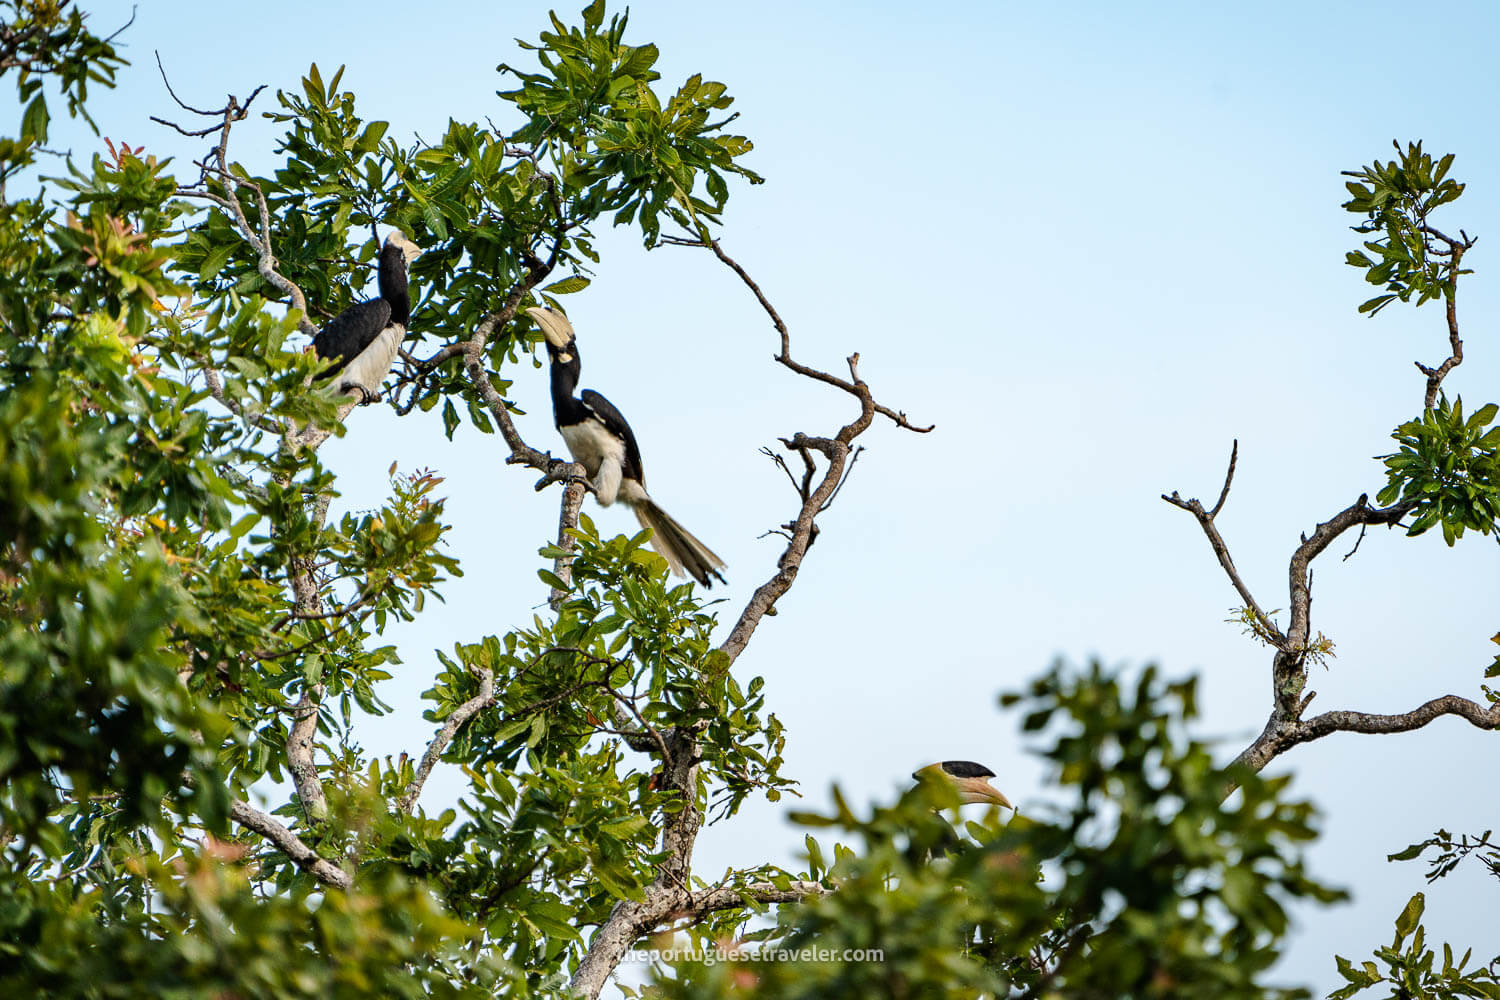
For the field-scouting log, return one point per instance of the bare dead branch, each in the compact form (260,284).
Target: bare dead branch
(1359,512)
(179,101)
(1221,548)
(473,354)
(1404,722)
(233,183)
(1234,457)
(784,356)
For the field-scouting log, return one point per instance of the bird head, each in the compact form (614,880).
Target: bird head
(969,779)
(558,331)
(409,250)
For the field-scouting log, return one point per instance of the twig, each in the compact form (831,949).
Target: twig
(784,356)
(1221,548)
(1455,253)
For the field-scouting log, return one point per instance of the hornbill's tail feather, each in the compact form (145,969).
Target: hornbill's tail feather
(677,546)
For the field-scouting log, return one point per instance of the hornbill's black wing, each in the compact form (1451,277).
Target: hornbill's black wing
(614,422)
(350,332)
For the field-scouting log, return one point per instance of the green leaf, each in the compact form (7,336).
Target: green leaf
(573,283)
(1411,916)
(34,121)
(450,418)
(552,580)
(626,828)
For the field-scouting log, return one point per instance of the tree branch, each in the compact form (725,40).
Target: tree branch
(473,354)
(670,893)
(451,726)
(567,521)
(291,845)
(1455,253)
(260,242)
(1280,735)
(1205,518)
(701,904)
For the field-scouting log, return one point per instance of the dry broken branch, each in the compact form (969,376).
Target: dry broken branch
(1221,549)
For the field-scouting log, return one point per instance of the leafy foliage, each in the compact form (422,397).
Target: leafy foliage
(1410,966)
(1397,200)
(1140,884)
(176,603)
(172,589)
(1449,468)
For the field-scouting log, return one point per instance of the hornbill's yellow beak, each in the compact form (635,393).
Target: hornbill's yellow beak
(555,326)
(969,779)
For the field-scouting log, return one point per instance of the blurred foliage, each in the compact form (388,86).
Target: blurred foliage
(1142,882)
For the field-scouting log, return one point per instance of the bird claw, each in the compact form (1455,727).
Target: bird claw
(366,397)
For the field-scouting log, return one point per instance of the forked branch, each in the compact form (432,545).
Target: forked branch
(1264,625)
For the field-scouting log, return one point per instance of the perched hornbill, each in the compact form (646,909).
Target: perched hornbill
(362,340)
(601,441)
(968,778)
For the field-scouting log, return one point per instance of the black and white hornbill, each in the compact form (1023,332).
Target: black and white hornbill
(968,778)
(601,441)
(362,340)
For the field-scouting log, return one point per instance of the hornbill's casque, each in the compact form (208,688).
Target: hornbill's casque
(362,340)
(601,441)
(968,778)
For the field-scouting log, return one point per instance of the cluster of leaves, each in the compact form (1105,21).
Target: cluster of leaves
(1449,468)
(1144,884)
(1408,257)
(561,824)
(618,147)
(45,42)
(1408,966)
(149,641)
(205,933)
(493,210)
(1264,629)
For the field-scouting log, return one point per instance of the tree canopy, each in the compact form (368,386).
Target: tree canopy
(191,642)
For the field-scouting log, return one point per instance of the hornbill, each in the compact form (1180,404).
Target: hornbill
(362,340)
(968,778)
(601,441)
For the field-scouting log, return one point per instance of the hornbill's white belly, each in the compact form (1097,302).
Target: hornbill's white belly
(370,367)
(602,456)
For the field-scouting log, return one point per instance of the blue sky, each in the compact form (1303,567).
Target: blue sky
(1094,245)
